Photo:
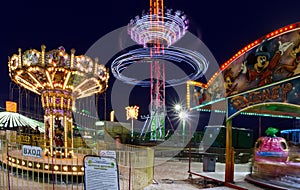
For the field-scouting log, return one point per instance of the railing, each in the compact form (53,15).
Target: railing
(20,172)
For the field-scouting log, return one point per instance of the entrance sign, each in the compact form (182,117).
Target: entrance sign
(100,173)
(33,151)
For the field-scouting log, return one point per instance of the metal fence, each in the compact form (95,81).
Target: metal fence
(20,172)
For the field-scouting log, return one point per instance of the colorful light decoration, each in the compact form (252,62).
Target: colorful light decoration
(11,119)
(132,112)
(169,27)
(40,165)
(157,31)
(60,79)
(248,47)
(194,59)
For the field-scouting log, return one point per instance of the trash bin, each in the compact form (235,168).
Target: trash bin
(243,158)
(209,162)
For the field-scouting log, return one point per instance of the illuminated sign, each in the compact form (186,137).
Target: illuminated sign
(285,92)
(11,106)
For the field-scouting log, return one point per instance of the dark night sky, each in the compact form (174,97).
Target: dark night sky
(225,27)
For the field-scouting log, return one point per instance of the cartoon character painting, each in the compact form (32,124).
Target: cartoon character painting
(216,90)
(229,81)
(263,64)
(291,67)
(199,96)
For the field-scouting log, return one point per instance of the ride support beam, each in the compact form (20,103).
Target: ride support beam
(229,171)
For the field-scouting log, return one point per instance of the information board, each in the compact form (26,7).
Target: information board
(100,173)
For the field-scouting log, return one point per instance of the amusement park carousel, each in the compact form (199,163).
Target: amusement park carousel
(59,78)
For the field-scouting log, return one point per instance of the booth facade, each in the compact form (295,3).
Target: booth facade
(262,78)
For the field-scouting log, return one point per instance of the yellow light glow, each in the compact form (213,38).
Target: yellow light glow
(132,112)
(49,79)
(112,116)
(61,102)
(35,80)
(11,106)
(55,168)
(67,80)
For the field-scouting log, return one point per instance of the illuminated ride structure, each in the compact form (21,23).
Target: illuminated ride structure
(157,31)
(60,78)
(262,79)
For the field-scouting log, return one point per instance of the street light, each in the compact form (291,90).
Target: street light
(177,107)
(183,117)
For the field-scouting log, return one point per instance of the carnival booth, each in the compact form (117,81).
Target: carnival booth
(262,78)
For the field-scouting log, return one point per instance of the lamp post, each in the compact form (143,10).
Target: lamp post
(132,112)
(182,116)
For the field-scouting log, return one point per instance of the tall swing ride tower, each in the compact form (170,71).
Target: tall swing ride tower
(157,74)
(157,31)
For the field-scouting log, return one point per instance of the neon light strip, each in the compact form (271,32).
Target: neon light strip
(49,79)
(250,114)
(67,80)
(33,78)
(26,84)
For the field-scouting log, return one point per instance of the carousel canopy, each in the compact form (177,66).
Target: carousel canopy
(11,120)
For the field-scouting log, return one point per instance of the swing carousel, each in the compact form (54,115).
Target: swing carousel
(59,78)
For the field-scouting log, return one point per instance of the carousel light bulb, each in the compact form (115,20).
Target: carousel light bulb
(65,168)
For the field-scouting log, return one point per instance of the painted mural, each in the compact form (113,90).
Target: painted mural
(273,59)
(201,95)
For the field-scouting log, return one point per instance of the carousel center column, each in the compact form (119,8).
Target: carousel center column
(58,135)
